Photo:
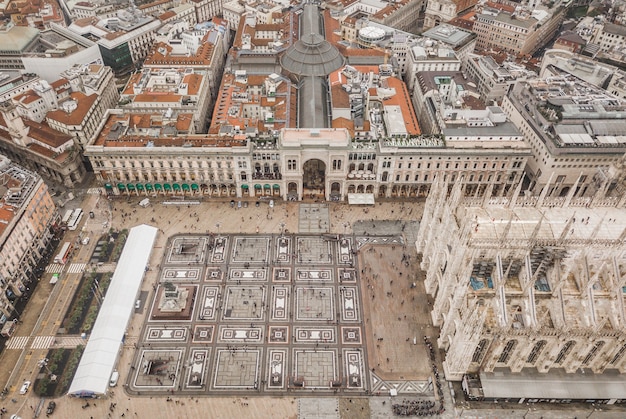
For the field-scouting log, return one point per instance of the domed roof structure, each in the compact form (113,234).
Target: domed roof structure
(312,55)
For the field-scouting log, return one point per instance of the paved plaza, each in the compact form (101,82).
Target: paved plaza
(254,314)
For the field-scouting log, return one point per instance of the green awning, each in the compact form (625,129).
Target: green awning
(131,187)
(121,186)
(108,186)
(266,186)
(149,186)
(257,186)
(158,186)
(276,186)
(140,186)
(167,186)
(244,186)
(185,187)
(194,186)
(176,187)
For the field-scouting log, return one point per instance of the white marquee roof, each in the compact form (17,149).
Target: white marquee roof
(98,360)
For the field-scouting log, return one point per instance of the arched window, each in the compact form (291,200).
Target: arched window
(479,352)
(565,350)
(507,351)
(593,352)
(534,354)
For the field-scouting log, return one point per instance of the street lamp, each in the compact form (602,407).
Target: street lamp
(282,228)
(218,224)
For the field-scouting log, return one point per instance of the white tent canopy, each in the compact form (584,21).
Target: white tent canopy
(101,352)
(361,199)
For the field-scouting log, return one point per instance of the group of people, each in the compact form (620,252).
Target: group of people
(423,407)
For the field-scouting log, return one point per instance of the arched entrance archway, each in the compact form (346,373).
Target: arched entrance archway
(314,178)
(292,191)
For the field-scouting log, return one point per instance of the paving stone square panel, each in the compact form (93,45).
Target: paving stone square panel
(354,369)
(284,249)
(214,273)
(317,275)
(345,251)
(281,274)
(166,333)
(316,368)
(188,249)
(351,336)
(198,367)
(237,369)
(349,301)
(346,275)
(240,334)
(187,274)
(278,334)
(247,274)
(158,369)
(250,250)
(280,303)
(220,248)
(208,303)
(314,250)
(318,335)
(245,302)
(203,333)
(276,369)
(314,304)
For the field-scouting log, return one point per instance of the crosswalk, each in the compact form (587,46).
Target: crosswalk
(94,191)
(55,268)
(42,342)
(76,268)
(17,342)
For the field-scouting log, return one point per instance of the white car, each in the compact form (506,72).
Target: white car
(25,387)
(86,240)
(271,203)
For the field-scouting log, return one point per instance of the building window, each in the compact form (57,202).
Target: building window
(479,352)
(534,354)
(507,351)
(565,350)
(291,164)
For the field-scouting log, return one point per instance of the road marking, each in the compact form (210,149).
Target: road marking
(42,342)
(76,268)
(17,342)
(55,268)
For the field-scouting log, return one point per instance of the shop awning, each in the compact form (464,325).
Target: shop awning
(244,186)
(158,186)
(149,186)
(167,186)
(130,187)
(194,186)
(257,186)
(266,186)
(185,187)
(276,186)
(176,187)
(108,186)
(121,186)
(140,186)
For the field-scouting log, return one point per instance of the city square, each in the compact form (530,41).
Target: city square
(256,314)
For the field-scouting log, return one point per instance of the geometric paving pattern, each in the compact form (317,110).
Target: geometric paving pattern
(263,314)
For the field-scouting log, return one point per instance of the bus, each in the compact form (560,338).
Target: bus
(77,215)
(67,216)
(64,253)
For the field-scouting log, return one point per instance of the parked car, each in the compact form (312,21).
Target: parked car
(51,406)
(25,387)
(271,203)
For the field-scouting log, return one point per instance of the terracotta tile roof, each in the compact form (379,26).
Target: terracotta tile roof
(46,135)
(167,15)
(403,100)
(59,83)
(183,122)
(84,104)
(27,97)
(194,81)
